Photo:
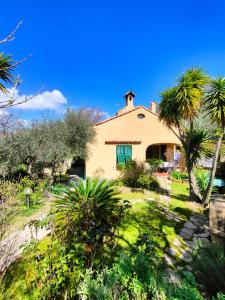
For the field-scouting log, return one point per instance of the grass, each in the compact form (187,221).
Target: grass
(153,217)
(179,201)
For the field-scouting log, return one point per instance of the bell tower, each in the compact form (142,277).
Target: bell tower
(129,105)
(129,97)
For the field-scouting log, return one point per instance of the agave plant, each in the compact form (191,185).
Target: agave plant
(87,214)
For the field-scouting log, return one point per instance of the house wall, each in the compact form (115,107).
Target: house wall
(128,127)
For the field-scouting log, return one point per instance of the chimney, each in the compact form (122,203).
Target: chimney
(153,106)
(129,96)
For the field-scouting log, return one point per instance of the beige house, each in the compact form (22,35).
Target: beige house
(135,132)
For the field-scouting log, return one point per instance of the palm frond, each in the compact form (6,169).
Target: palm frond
(190,92)
(169,112)
(5,71)
(214,104)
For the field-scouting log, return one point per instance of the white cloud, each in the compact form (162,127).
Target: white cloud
(52,100)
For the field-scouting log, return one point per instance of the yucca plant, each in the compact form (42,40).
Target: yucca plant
(87,215)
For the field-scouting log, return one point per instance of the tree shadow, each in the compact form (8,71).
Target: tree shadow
(181,197)
(155,220)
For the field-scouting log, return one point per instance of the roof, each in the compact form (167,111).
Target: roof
(130,92)
(118,116)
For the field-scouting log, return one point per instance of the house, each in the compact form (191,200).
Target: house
(135,132)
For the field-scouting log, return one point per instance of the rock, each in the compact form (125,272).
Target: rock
(186,233)
(186,256)
(205,242)
(169,260)
(174,277)
(190,225)
(190,245)
(189,268)
(204,235)
(199,220)
(187,273)
(177,242)
(172,252)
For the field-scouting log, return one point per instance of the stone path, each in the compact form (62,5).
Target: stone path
(11,247)
(195,230)
(178,256)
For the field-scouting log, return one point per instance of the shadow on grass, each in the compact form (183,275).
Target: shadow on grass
(154,220)
(181,197)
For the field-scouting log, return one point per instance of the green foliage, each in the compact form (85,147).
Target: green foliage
(5,71)
(195,142)
(139,175)
(209,267)
(202,178)
(39,187)
(47,143)
(88,214)
(177,175)
(153,164)
(80,130)
(134,277)
(214,104)
(147,182)
(57,188)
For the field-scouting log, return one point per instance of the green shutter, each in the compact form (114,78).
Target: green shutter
(120,158)
(128,152)
(123,154)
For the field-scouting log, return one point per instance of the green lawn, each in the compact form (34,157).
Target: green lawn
(151,216)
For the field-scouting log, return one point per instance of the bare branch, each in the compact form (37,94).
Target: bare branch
(17,63)
(11,36)
(14,101)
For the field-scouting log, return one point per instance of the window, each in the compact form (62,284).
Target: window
(123,154)
(141,116)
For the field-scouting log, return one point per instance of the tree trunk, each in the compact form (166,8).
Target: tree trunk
(208,192)
(194,194)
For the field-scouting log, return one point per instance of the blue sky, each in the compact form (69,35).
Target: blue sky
(92,52)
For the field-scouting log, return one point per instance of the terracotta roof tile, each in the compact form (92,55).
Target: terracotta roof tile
(118,116)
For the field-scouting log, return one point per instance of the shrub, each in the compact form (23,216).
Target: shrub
(202,178)
(176,175)
(153,164)
(147,182)
(135,278)
(209,266)
(39,187)
(137,175)
(131,171)
(57,188)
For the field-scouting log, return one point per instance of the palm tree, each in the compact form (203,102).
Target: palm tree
(6,68)
(214,106)
(178,108)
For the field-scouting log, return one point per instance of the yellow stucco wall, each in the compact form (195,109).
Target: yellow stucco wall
(128,127)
